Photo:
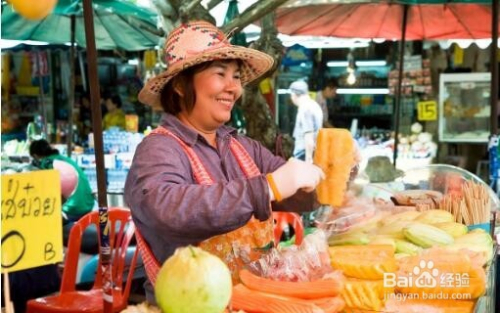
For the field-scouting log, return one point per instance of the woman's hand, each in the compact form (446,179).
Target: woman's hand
(292,176)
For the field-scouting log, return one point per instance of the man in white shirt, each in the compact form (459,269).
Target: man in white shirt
(307,123)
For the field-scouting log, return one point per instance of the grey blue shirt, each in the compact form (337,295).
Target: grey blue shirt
(171,210)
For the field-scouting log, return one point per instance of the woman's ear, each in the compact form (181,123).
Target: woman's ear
(178,90)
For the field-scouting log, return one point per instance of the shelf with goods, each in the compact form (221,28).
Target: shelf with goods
(119,149)
(362,97)
(464,107)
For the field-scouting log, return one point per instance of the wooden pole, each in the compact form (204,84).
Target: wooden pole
(397,103)
(71,95)
(95,97)
(41,93)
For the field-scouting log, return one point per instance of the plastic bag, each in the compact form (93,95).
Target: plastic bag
(355,212)
(307,262)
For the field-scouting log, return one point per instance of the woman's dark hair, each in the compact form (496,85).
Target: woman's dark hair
(115,99)
(42,148)
(171,101)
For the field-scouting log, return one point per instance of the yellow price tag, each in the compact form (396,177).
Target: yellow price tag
(31,220)
(427,111)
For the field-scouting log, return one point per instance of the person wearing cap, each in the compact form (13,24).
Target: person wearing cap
(308,121)
(196,181)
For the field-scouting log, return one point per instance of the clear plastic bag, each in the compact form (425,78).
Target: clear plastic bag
(307,262)
(354,213)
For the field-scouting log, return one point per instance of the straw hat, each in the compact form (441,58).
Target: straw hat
(198,42)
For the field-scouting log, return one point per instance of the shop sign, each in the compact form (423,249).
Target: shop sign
(295,55)
(427,110)
(31,220)
(412,63)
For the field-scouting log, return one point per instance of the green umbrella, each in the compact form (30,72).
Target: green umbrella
(118,25)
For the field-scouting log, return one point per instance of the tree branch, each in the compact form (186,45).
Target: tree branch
(195,11)
(252,14)
(186,8)
(212,4)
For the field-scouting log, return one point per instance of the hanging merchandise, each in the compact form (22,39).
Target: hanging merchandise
(39,63)
(149,59)
(40,69)
(24,75)
(266,89)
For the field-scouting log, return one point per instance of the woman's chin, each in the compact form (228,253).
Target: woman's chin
(223,119)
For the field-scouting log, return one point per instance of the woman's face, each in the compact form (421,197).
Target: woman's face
(217,88)
(110,105)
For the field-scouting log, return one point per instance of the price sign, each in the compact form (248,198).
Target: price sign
(31,220)
(427,111)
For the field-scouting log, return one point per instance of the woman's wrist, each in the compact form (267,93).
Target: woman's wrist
(273,189)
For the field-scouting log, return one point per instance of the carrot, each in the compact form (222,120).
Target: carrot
(321,288)
(250,300)
(329,305)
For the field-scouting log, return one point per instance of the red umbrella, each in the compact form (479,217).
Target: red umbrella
(384,20)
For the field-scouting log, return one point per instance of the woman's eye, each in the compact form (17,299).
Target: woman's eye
(237,76)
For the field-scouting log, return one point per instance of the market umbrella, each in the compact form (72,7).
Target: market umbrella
(118,25)
(432,21)
(398,20)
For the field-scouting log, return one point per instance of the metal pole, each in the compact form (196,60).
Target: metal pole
(105,250)
(494,68)
(397,103)
(41,93)
(71,95)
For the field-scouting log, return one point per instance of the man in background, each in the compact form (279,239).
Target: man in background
(329,91)
(308,121)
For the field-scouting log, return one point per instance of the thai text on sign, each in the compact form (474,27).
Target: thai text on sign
(31,220)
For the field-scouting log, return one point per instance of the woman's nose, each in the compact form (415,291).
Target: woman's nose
(233,84)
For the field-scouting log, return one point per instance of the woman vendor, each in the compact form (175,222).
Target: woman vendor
(195,181)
